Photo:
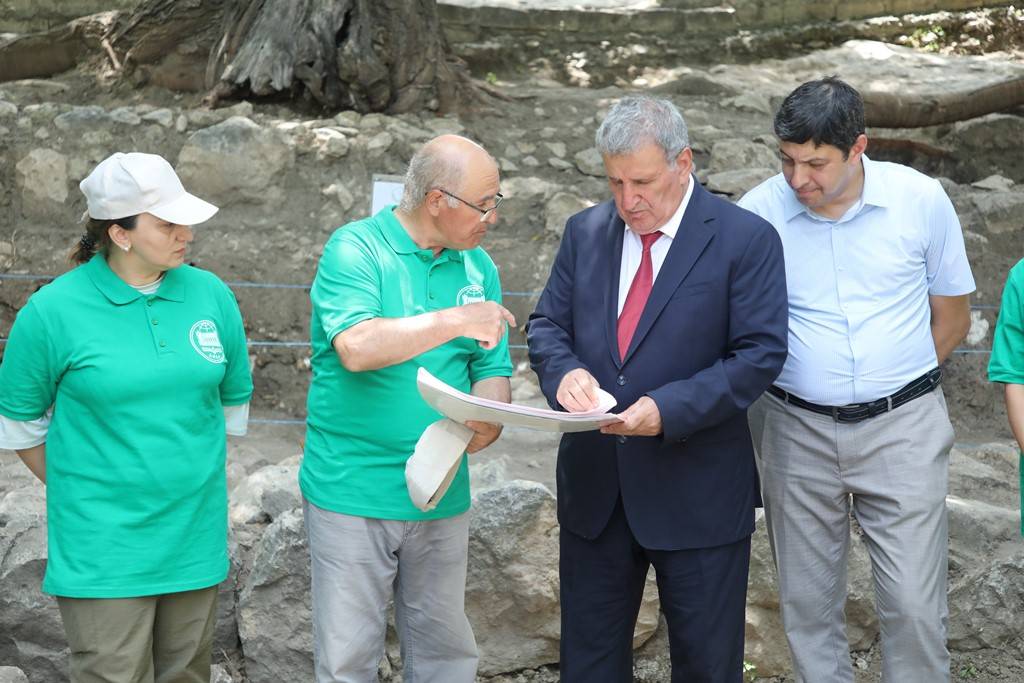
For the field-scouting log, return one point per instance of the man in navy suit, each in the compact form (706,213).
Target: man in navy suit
(674,485)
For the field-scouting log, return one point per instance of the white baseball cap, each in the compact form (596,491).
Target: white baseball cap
(129,184)
(432,467)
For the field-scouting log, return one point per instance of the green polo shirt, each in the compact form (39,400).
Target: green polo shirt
(363,426)
(1006,364)
(135,455)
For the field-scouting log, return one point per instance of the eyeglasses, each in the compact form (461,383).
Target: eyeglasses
(486,212)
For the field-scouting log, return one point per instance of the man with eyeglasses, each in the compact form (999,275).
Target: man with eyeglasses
(407,288)
(484,213)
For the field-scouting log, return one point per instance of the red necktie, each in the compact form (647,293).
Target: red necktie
(639,290)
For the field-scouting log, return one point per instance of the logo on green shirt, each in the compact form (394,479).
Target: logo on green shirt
(205,340)
(470,294)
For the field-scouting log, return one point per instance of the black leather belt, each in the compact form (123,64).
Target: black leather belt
(855,412)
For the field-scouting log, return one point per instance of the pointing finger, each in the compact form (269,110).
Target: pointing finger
(507,315)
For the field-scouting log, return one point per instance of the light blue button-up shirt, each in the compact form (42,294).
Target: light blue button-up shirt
(859,314)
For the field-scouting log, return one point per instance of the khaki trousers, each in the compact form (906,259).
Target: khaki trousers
(152,639)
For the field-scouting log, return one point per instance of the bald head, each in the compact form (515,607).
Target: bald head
(454,145)
(444,162)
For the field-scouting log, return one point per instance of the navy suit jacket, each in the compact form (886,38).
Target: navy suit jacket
(711,339)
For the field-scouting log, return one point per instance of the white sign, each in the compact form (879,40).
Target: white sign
(387,190)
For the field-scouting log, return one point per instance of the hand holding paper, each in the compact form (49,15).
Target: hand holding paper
(431,468)
(461,407)
(579,391)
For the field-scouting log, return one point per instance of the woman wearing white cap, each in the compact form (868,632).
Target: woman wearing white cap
(118,384)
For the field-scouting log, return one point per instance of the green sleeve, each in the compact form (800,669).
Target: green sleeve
(347,286)
(1007,361)
(30,369)
(236,387)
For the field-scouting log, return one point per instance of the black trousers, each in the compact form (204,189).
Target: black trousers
(703,597)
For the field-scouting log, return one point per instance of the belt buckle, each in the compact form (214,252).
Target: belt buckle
(883,407)
(842,415)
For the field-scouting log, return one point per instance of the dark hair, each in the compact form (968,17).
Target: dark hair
(97,237)
(825,112)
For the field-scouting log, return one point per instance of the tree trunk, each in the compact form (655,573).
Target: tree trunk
(167,42)
(44,54)
(896,110)
(367,55)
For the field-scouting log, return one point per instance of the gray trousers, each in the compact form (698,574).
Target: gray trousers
(358,564)
(894,470)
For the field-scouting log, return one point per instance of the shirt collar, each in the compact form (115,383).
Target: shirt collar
(120,292)
(400,241)
(875,193)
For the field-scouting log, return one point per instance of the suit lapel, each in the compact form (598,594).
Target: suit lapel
(611,255)
(692,238)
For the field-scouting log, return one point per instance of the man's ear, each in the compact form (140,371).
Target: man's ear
(684,162)
(433,201)
(857,150)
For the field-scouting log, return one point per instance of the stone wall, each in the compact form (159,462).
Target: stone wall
(608,45)
(468,20)
(773,13)
(31,16)
(462,18)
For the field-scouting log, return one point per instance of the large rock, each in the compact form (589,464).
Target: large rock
(737,154)
(265,495)
(735,184)
(274,607)
(82,120)
(982,147)
(12,674)
(236,161)
(1003,210)
(558,210)
(978,529)
(512,585)
(511,594)
(31,632)
(43,181)
(985,606)
(31,635)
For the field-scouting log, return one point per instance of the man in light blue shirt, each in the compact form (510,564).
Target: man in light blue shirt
(879,286)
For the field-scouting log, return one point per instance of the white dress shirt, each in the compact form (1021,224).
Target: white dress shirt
(632,248)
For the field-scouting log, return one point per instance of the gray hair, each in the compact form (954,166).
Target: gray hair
(432,166)
(638,120)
